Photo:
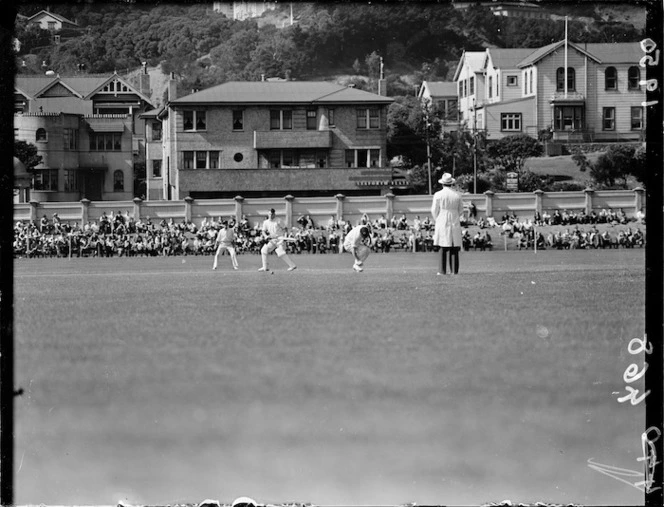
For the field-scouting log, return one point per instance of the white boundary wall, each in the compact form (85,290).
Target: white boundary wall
(349,208)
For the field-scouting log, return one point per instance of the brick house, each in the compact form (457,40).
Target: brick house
(271,138)
(87,130)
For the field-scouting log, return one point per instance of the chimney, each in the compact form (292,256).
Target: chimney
(172,87)
(144,81)
(382,83)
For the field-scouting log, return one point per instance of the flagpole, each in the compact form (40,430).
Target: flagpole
(565,56)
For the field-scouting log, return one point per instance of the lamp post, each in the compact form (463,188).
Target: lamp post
(426,137)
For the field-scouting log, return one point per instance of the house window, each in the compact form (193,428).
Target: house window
(107,141)
(40,136)
(637,118)
(118,181)
(274,158)
(512,80)
(281,119)
(363,157)
(70,139)
(287,158)
(633,78)
(568,117)
(330,117)
(45,179)
(368,118)
(188,159)
(611,78)
(156,131)
(71,180)
(238,119)
(350,158)
(51,25)
(510,122)
(461,89)
(156,168)
(213,159)
(560,79)
(194,120)
(311,119)
(201,159)
(374,158)
(609,118)
(530,80)
(472,85)
(490,86)
(294,158)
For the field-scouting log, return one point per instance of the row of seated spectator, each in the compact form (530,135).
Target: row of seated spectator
(120,235)
(579,238)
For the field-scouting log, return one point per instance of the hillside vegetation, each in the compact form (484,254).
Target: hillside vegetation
(416,40)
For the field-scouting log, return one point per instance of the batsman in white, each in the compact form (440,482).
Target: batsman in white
(274,232)
(225,241)
(358,242)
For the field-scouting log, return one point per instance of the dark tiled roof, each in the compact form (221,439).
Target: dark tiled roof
(279,92)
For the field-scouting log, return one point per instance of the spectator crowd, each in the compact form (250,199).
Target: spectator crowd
(119,235)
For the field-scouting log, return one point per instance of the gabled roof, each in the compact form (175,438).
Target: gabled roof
(114,77)
(507,58)
(41,14)
(474,59)
(34,85)
(542,52)
(83,87)
(440,88)
(279,92)
(615,52)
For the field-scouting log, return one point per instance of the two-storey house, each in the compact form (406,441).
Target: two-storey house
(470,79)
(441,97)
(88,132)
(578,92)
(269,138)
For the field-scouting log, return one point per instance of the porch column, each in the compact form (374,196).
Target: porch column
(638,199)
(389,206)
(538,201)
(238,208)
(33,210)
(187,208)
(340,206)
(489,203)
(137,208)
(589,200)
(85,206)
(289,211)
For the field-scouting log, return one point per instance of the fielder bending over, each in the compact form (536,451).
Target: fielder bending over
(358,242)
(225,240)
(273,231)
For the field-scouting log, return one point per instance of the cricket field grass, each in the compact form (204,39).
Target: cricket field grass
(160,381)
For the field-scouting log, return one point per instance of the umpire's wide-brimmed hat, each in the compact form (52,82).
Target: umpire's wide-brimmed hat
(447,179)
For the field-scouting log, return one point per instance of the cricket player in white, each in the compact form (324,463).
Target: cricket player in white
(225,241)
(357,242)
(274,233)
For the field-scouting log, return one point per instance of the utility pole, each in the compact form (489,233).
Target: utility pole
(474,148)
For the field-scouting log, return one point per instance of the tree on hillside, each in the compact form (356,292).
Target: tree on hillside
(510,152)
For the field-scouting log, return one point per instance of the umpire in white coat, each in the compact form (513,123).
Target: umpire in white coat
(446,210)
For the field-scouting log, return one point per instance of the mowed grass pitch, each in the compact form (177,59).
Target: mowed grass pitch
(160,381)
